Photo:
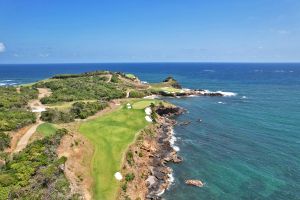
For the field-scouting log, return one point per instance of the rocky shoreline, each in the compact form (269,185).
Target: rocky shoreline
(160,177)
(150,155)
(190,92)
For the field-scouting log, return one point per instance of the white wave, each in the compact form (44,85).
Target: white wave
(221,102)
(227,94)
(172,141)
(244,97)
(170,178)
(2,84)
(258,70)
(291,71)
(279,71)
(209,70)
(161,192)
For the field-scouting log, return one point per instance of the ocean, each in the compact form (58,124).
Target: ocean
(247,145)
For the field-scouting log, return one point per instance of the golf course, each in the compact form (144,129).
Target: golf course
(111,135)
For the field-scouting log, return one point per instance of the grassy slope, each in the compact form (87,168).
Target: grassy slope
(111,134)
(46,129)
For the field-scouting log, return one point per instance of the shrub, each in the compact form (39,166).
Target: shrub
(129,177)
(137,94)
(129,158)
(56,116)
(4,141)
(83,110)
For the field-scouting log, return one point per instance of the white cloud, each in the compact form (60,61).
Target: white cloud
(283,32)
(44,55)
(2,47)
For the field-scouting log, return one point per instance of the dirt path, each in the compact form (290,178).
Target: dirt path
(36,107)
(25,138)
(109,78)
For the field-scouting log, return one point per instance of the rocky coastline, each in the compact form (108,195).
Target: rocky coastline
(150,155)
(190,92)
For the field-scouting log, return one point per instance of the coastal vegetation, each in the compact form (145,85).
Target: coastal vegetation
(36,172)
(81,88)
(4,141)
(78,110)
(13,107)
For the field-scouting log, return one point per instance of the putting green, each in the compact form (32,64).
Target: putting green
(111,134)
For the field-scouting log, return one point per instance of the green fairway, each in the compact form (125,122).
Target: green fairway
(46,129)
(147,102)
(111,134)
(130,76)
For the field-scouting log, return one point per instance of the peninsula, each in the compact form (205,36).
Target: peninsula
(97,135)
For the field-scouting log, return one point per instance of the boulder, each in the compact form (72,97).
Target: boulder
(196,183)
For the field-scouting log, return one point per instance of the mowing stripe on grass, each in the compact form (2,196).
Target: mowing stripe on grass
(111,134)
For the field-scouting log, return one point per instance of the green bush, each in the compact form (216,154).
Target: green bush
(4,141)
(138,94)
(56,116)
(35,169)
(81,88)
(83,110)
(129,177)
(13,112)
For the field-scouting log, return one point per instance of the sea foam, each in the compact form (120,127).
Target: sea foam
(227,94)
(173,140)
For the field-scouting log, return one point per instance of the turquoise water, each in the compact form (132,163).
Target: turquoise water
(247,146)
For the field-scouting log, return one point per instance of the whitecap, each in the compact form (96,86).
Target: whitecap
(227,94)
(258,70)
(209,70)
(161,192)
(279,71)
(221,102)
(176,148)
(171,178)
(244,97)
(172,141)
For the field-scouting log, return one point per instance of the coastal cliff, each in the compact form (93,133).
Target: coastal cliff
(146,174)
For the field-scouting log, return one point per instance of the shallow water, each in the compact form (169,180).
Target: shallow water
(246,147)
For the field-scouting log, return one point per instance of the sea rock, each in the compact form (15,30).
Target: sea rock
(185,123)
(196,183)
(169,111)
(199,120)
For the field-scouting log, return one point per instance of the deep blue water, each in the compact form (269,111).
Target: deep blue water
(247,146)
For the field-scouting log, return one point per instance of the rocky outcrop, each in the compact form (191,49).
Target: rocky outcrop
(190,92)
(169,111)
(196,183)
(172,82)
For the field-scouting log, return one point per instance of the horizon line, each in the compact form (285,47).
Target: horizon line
(158,62)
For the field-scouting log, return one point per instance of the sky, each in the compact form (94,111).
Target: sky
(90,31)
